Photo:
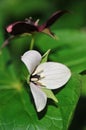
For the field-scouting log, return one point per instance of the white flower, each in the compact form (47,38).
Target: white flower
(51,75)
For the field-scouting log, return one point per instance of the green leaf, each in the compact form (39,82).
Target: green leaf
(70,49)
(16,103)
(84,85)
(17,110)
(68,99)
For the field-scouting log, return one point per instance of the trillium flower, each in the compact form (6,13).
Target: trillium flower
(28,26)
(49,75)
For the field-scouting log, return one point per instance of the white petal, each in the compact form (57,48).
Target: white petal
(55,74)
(31,59)
(39,96)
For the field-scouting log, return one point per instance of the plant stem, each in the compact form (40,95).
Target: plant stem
(32,43)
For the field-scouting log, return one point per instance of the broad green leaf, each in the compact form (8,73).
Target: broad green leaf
(16,103)
(70,49)
(83,85)
(69,96)
(17,110)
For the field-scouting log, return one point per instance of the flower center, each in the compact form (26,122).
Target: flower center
(35,77)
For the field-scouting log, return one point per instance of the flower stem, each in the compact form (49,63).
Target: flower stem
(32,43)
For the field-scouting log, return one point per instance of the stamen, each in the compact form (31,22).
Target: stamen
(29,20)
(35,78)
(36,22)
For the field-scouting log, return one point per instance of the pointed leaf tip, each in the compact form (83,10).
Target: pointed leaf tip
(45,56)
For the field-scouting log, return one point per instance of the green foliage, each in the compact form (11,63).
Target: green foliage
(84,85)
(16,105)
(70,48)
(17,110)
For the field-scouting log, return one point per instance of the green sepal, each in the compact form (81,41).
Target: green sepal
(45,57)
(49,94)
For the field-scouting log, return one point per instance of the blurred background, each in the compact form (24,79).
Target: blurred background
(16,10)
(19,10)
